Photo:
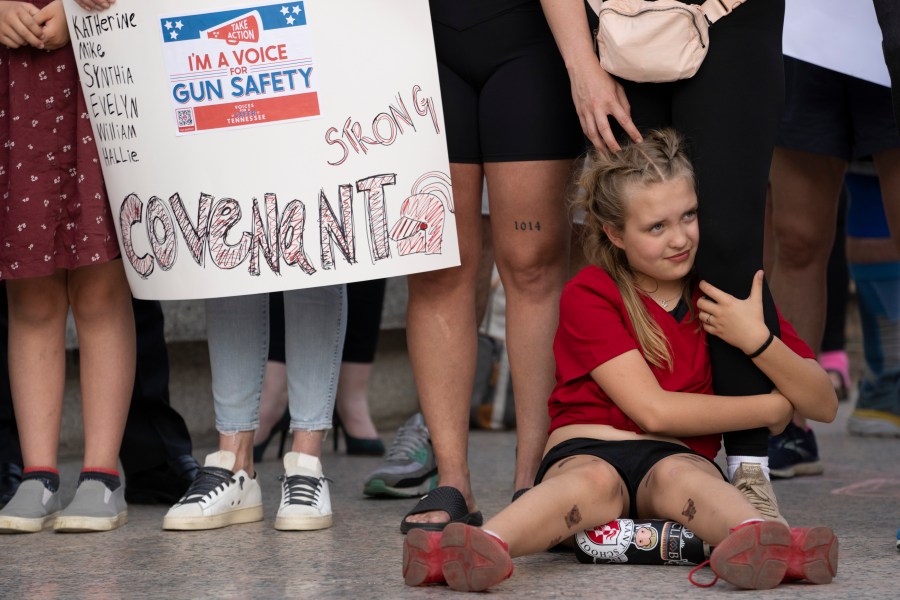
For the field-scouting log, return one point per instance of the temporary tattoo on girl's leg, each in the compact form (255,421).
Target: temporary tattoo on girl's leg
(573,517)
(527,225)
(689,510)
(560,464)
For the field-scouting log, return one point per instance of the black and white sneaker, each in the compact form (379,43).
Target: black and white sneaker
(218,497)
(305,498)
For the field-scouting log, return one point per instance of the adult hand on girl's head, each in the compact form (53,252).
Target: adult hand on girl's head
(95,4)
(598,96)
(54,32)
(17,25)
(738,322)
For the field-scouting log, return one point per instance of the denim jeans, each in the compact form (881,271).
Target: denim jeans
(238,335)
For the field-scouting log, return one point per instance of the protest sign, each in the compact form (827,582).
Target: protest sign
(257,146)
(837,35)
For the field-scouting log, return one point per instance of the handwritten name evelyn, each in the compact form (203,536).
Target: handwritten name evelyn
(111,108)
(275,237)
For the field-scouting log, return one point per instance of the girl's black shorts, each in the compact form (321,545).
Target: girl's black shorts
(633,459)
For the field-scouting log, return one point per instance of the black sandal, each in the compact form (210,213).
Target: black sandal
(518,493)
(445,498)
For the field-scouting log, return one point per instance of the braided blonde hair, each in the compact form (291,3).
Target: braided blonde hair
(605,182)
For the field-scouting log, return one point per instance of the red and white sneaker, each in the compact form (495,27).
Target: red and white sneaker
(755,556)
(423,559)
(814,555)
(473,560)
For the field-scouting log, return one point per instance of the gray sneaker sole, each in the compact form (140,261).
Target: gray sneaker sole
(802,469)
(380,489)
(251,514)
(870,423)
(9,524)
(84,524)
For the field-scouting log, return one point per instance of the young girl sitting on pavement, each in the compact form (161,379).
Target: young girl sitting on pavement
(634,425)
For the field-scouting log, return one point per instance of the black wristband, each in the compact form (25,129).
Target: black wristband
(762,348)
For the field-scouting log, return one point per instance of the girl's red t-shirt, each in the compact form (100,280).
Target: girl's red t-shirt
(594,327)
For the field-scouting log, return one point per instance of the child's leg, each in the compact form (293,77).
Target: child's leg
(101,304)
(689,489)
(37,330)
(748,552)
(577,493)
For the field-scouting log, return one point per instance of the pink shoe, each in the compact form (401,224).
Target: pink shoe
(837,365)
(473,559)
(422,557)
(755,556)
(814,555)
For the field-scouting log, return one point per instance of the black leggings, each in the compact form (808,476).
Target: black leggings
(729,113)
(838,284)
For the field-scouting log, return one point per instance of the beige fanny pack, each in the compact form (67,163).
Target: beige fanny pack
(657,41)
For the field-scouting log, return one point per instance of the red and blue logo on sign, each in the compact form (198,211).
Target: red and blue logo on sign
(240,67)
(233,26)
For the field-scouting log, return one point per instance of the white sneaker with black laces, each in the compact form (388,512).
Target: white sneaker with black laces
(305,499)
(218,497)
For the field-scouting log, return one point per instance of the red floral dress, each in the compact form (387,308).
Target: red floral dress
(54,212)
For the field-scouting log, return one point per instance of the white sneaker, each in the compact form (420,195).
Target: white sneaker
(305,499)
(32,508)
(218,497)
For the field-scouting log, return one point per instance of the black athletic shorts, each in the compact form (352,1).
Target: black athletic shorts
(505,90)
(834,114)
(631,458)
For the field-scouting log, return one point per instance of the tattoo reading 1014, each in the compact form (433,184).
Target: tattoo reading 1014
(527,225)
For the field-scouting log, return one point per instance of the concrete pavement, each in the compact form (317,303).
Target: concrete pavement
(858,496)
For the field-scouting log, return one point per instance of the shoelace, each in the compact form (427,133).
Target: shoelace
(408,440)
(759,499)
(697,568)
(302,489)
(209,480)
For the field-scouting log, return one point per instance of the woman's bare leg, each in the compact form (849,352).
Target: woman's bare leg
(888,165)
(441,333)
(805,190)
(273,401)
(530,233)
(352,401)
(804,193)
